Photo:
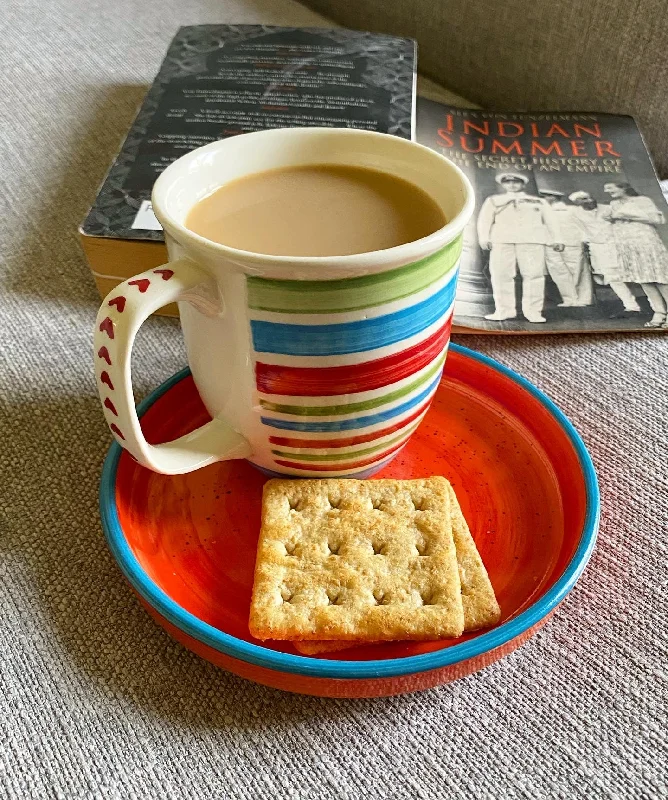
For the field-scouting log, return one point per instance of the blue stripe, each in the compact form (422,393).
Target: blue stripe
(351,424)
(352,337)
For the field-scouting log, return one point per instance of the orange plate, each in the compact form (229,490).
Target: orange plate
(523,476)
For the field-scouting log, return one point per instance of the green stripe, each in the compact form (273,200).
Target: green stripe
(352,408)
(350,294)
(344,456)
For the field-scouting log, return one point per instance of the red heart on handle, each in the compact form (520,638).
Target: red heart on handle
(116,430)
(141,283)
(104,378)
(104,353)
(119,302)
(166,273)
(107,326)
(108,404)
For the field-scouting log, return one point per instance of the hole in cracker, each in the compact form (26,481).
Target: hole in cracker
(382,598)
(419,503)
(422,546)
(333,548)
(376,503)
(290,548)
(379,548)
(427,598)
(295,503)
(286,594)
(334,502)
(335,596)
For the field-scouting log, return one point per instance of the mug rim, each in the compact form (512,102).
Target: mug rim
(369,261)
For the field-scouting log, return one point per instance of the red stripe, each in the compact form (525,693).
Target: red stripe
(327,381)
(365,437)
(340,465)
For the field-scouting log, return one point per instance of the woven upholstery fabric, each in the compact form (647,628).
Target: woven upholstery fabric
(96,701)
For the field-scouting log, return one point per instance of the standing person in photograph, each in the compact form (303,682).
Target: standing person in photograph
(514,227)
(643,256)
(597,232)
(568,268)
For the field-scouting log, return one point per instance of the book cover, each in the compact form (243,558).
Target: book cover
(222,80)
(569,232)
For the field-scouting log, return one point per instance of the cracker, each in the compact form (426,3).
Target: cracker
(480,606)
(356,561)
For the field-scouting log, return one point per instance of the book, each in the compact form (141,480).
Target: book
(222,80)
(569,232)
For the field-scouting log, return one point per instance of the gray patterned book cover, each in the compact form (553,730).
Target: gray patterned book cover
(222,80)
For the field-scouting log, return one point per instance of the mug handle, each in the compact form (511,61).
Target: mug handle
(122,312)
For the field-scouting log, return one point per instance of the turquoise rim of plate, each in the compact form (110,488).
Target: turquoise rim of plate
(327,668)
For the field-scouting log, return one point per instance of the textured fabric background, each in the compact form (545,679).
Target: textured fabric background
(95,701)
(562,55)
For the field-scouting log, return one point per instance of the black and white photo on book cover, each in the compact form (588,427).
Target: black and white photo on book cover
(569,232)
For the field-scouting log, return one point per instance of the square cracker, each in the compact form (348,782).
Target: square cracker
(356,561)
(481,608)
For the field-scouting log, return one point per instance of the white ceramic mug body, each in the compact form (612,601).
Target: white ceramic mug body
(316,366)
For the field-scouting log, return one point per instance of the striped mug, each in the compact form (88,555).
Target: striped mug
(318,366)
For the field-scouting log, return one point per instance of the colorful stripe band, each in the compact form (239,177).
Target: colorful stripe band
(351,294)
(337,467)
(344,456)
(374,374)
(350,418)
(349,441)
(351,408)
(352,337)
(352,424)
(365,473)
